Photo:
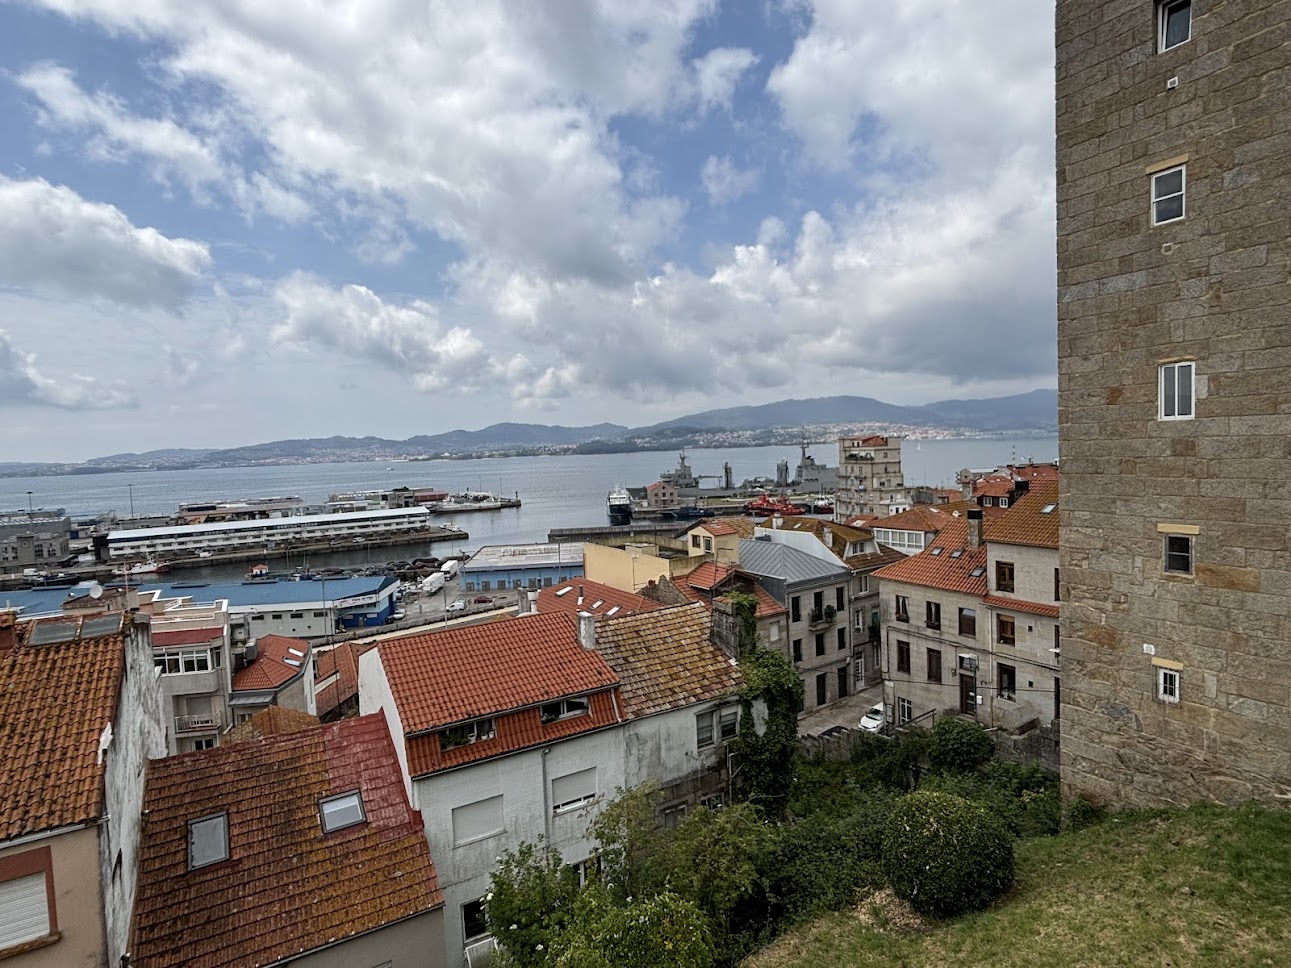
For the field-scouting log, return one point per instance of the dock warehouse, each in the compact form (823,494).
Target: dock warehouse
(189,539)
(303,609)
(497,567)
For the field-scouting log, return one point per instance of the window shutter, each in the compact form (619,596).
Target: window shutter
(24,910)
(573,787)
(479,819)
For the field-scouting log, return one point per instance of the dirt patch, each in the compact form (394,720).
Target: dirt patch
(884,911)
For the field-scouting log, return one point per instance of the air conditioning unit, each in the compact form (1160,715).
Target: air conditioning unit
(479,954)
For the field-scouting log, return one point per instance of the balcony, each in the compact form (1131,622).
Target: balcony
(197,723)
(822,618)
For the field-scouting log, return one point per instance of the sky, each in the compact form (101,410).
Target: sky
(235,221)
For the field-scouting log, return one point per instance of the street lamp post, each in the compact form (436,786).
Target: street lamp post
(31,511)
(130,487)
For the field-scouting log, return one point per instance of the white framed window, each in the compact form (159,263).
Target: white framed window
(565,709)
(573,790)
(704,735)
(474,922)
(24,910)
(1177,384)
(339,812)
(674,816)
(728,722)
(472,732)
(1168,685)
(905,711)
(1168,190)
(208,840)
(1174,24)
(1178,554)
(475,821)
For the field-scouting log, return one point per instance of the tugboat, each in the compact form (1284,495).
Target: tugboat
(770,505)
(149,566)
(618,505)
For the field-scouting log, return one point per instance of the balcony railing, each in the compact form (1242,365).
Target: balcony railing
(822,617)
(201,722)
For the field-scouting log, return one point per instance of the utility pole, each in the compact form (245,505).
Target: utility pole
(130,487)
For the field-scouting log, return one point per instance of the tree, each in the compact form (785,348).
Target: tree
(530,903)
(664,931)
(959,746)
(946,855)
(628,834)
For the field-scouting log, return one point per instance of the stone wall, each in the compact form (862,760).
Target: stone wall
(1212,288)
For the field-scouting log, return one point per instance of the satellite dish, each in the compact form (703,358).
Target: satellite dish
(96,590)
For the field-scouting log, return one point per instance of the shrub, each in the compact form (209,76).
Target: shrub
(1082,813)
(959,746)
(1025,798)
(530,902)
(946,855)
(664,931)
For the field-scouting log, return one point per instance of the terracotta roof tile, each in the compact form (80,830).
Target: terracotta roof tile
(947,563)
(730,524)
(873,559)
(666,660)
(270,722)
(922,517)
(711,580)
(841,534)
(511,732)
(1026,523)
(1049,609)
(343,662)
(592,597)
(162,638)
(997,485)
(440,678)
(287,887)
(278,660)
(55,701)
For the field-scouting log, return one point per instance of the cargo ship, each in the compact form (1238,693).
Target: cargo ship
(618,505)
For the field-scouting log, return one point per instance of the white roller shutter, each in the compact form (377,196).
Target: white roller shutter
(24,910)
(573,789)
(478,819)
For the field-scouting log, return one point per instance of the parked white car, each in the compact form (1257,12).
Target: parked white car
(457,606)
(874,719)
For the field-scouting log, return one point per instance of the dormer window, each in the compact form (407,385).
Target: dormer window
(341,811)
(465,734)
(565,709)
(208,840)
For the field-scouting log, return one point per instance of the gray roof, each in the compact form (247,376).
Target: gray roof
(774,560)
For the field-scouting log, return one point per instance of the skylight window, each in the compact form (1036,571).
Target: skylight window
(957,552)
(598,603)
(1048,509)
(936,552)
(208,840)
(977,573)
(296,652)
(341,811)
(565,591)
(611,611)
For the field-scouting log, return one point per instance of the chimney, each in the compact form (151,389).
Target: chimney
(829,537)
(580,595)
(974,527)
(8,632)
(587,631)
(777,521)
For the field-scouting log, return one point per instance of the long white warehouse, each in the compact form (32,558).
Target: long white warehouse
(189,539)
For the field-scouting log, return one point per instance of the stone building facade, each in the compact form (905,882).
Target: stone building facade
(870,480)
(1174,349)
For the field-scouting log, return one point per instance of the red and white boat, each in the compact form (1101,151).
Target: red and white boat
(140,569)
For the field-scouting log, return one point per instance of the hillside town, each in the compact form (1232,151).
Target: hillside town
(457,762)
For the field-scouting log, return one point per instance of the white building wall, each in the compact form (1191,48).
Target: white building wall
(375,696)
(137,735)
(664,748)
(523,780)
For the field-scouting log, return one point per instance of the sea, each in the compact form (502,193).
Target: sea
(556,491)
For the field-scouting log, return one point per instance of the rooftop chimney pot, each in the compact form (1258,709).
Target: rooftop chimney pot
(587,631)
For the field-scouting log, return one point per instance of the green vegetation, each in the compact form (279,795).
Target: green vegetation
(946,855)
(1206,886)
(959,746)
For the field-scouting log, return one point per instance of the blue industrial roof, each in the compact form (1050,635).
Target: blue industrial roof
(44,601)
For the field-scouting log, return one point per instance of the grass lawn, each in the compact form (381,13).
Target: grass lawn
(1198,887)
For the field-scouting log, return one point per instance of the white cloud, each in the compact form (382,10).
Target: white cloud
(21,382)
(51,237)
(718,72)
(724,182)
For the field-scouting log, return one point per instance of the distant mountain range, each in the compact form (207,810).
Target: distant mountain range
(787,421)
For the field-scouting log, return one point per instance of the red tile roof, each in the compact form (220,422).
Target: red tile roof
(162,638)
(513,731)
(1025,522)
(711,580)
(841,535)
(592,597)
(269,722)
(343,662)
(1049,609)
(730,524)
(921,517)
(287,887)
(278,660)
(666,660)
(996,485)
(441,678)
(55,701)
(873,559)
(874,440)
(719,527)
(938,565)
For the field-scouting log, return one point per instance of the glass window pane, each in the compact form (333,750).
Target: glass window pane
(1184,372)
(1178,24)
(1168,183)
(342,811)
(1169,402)
(1169,208)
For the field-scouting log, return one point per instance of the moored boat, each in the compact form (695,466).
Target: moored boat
(148,566)
(618,505)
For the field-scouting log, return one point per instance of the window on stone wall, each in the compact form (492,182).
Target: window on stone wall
(1174,24)
(905,711)
(933,615)
(1177,382)
(967,622)
(902,608)
(1168,195)
(1007,630)
(1004,576)
(1178,554)
(934,665)
(1168,685)
(903,657)
(1008,681)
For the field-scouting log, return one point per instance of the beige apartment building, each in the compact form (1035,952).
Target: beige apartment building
(1174,358)
(870,480)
